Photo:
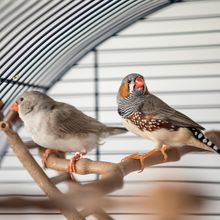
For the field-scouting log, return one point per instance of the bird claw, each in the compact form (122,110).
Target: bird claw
(72,163)
(162,150)
(46,154)
(136,157)
(141,157)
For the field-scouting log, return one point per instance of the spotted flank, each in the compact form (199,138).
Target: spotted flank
(201,137)
(149,123)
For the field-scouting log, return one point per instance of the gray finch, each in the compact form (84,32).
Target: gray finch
(60,126)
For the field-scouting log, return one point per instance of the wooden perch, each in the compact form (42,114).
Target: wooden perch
(35,170)
(118,171)
(111,171)
(66,203)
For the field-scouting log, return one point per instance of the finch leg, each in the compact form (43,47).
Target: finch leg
(162,150)
(141,157)
(47,153)
(72,164)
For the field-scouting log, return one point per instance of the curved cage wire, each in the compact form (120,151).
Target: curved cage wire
(42,40)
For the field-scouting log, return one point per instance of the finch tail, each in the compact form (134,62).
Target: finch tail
(116,130)
(204,140)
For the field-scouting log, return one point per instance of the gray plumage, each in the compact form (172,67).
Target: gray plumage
(60,126)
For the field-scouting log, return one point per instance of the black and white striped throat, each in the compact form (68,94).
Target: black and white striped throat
(129,105)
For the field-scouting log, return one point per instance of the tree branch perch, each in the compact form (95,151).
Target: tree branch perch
(34,169)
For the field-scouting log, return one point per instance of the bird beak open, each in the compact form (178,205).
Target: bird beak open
(14,107)
(139,82)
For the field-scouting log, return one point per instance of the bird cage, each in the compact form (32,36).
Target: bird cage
(78,52)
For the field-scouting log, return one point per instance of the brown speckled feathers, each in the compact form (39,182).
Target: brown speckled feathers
(146,123)
(156,109)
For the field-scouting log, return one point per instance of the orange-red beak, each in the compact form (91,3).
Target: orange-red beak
(14,107)
(139,82)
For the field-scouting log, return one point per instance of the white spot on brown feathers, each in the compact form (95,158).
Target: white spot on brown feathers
(150,124)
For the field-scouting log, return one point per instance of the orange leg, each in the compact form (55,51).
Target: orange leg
(141,157)
(72,163)
(47,153)
(162,150)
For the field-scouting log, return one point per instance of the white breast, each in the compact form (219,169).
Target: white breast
(38,128)
(161,136)
(71,143)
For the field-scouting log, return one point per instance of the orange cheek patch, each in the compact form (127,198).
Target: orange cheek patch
(123,91)
(14,107)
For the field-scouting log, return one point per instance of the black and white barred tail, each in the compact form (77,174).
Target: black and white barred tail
(203,139)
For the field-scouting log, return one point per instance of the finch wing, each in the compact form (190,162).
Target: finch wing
(155,107)
(66,119)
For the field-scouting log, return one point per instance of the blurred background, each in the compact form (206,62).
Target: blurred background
(177,49)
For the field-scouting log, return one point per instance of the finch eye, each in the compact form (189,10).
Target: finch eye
(21,99)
